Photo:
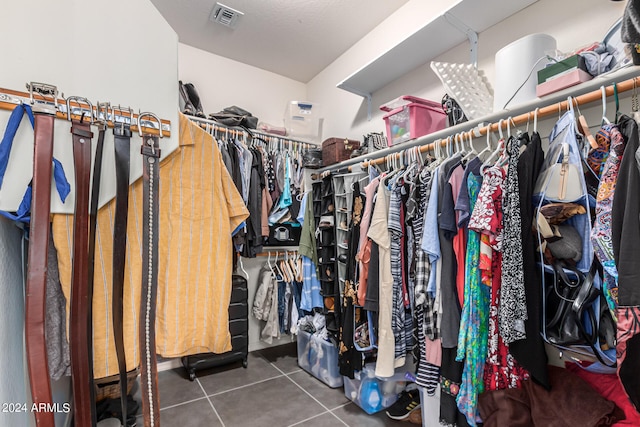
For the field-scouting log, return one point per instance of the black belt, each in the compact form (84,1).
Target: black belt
(39,229)
(93,223)
(79,320)
(122,142)
(151,180)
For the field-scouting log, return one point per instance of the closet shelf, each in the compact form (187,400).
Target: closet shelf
(475,125)
(437,36)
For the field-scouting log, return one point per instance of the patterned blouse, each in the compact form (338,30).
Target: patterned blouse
(601,231)
(473,335)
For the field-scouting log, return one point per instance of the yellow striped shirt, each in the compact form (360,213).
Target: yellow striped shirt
(199,208)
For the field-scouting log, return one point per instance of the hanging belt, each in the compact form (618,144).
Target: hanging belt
(79,321)
(122,142)
(93,225)
(37,363)
(151,179)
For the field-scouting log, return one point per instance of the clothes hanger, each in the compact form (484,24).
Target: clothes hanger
(488,148)
(471,153)
(504,157)
(498,151)
(535,120)
(583,126)
(246,275)
(635,113)
(603,91)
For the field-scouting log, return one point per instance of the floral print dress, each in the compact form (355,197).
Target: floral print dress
(473,335)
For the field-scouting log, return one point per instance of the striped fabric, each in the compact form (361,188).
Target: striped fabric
(199,208)
(396,231)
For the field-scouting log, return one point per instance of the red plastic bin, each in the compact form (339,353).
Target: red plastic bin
(409,117)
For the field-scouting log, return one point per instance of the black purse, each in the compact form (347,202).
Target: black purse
(571,319)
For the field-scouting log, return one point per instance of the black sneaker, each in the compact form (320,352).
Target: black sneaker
(407,402)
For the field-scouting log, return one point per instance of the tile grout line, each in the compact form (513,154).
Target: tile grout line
(182,403)
(320,414)
(309,394)
(210,402)
(245,385)
(309,419)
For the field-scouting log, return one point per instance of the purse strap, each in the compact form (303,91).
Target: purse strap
(585,298)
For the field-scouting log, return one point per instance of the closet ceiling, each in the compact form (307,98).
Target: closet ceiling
(293,38)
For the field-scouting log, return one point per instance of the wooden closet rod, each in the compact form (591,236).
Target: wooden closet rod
(10,98)
(586,98)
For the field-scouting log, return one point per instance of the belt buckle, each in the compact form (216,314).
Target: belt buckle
(78,110)
(48,102)
(122,119)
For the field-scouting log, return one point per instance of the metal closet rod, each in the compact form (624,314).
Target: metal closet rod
(240,130)
(579,100)
(101,112)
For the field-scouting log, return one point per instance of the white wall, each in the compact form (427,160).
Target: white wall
(573,23)
(223,82)
(118,51)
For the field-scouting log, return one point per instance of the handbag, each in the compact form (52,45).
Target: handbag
(571,316)
(561,182)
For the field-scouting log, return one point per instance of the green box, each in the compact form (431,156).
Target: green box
(561,67)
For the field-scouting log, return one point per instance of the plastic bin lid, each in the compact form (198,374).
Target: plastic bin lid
(408,99)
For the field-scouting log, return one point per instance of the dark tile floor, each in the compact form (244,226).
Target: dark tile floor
(272,391)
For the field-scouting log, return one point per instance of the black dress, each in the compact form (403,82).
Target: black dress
(530,352)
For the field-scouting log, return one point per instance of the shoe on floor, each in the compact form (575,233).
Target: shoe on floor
(415,416)
(407,402)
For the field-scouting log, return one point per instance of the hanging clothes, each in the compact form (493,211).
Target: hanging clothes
(265,304)
(311,296)
(601,231)
(472,340)
(379,232)
(203,207)
(530,352)
(625,233)
(349,358)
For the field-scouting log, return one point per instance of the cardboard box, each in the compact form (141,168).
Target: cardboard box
(566,80)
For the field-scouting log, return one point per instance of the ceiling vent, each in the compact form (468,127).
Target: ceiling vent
(225,15)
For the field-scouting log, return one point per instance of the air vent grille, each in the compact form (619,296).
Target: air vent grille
(225,15)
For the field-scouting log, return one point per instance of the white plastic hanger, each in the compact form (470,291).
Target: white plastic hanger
(535,120)
(472,151)
(488,148)
(246,275)
(605,121)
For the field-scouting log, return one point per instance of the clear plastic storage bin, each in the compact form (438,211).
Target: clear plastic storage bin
(302,120)
(319,358)
(410,117)
(371,393)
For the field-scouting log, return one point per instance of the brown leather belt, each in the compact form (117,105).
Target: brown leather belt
(80,336)
(37,363)
(147,339)
(122,142)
